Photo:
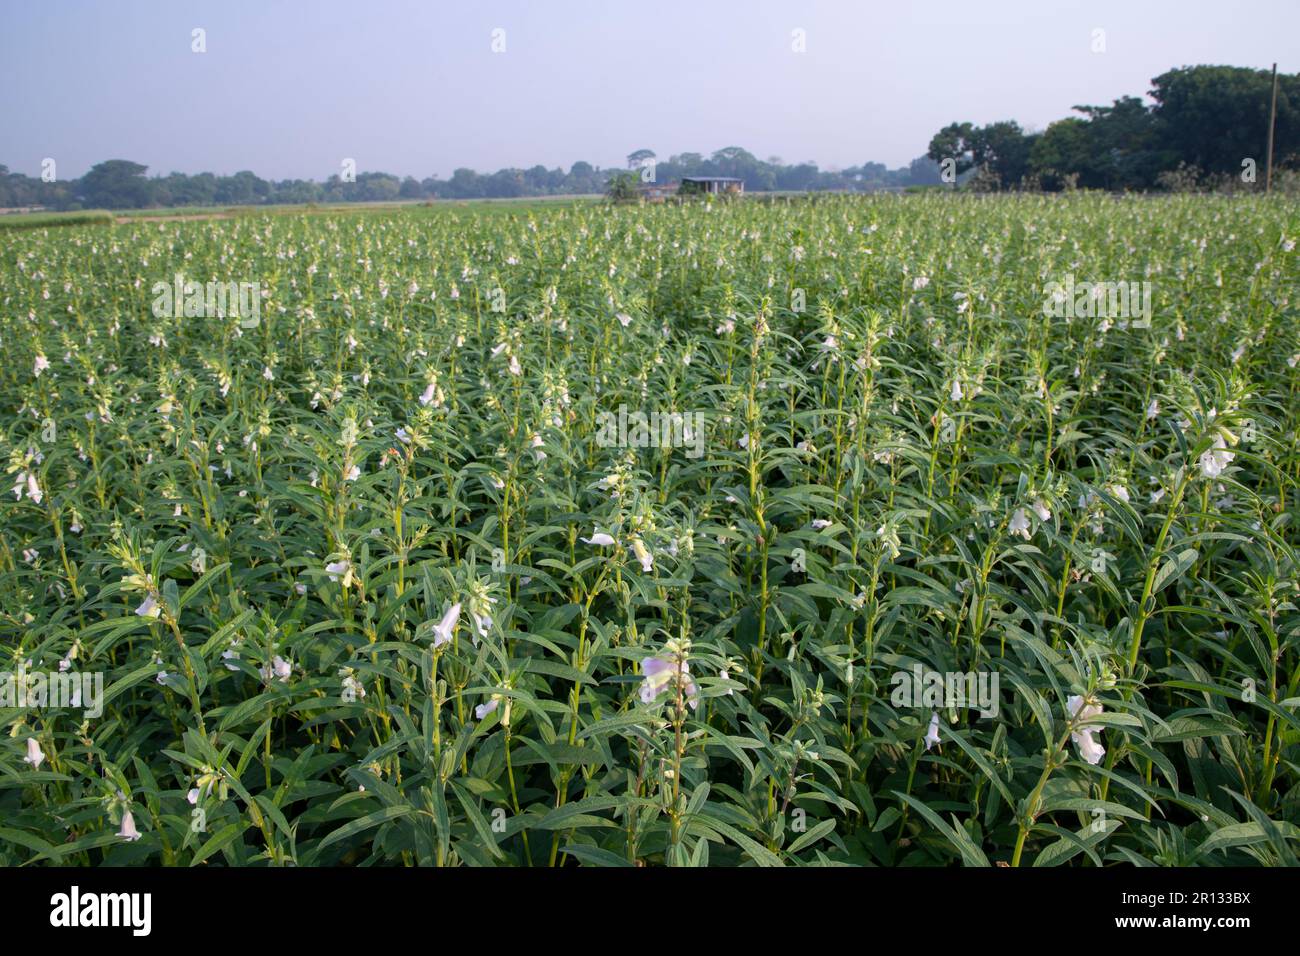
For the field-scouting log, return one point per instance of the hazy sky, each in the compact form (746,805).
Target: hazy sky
(288,89)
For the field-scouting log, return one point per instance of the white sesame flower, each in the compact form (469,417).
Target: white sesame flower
(1020,524)
(661,673)
(482,710)
(127,831)
(34,755)
(149,606)
(1153,410)
(889,540)
(42,363)
(1082,733)
(340,569)
(932,734)
(599,539)
(1041,509)
(482,622)
(27,479)
(1216,459)
(643,555)
(279,669)
(624,319)
(956,393)
(443,630)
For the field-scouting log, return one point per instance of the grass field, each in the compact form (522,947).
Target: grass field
(42,220)
(795,533)
(104,217)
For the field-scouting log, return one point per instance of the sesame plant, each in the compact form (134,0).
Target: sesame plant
(371,575)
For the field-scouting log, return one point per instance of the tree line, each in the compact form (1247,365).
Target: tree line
(1205,125)
(123,184)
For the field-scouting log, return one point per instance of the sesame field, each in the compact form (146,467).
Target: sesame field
(920,530)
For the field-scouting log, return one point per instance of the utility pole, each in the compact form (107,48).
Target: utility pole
(1272,116)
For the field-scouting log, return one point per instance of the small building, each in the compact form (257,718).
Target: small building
(712,185)
(656,192)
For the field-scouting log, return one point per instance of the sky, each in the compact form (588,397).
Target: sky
(290,88)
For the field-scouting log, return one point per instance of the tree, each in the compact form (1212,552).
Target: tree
(378,187)
(1062,155)
(115,184)
(637,157)
(1124,145)
(1002,149)
(505,183)
(242,188)
(803,176)
(1213,117)
(956,141)
(537,179)
(622,187)
(582,179)
(922,171)
(465,184)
